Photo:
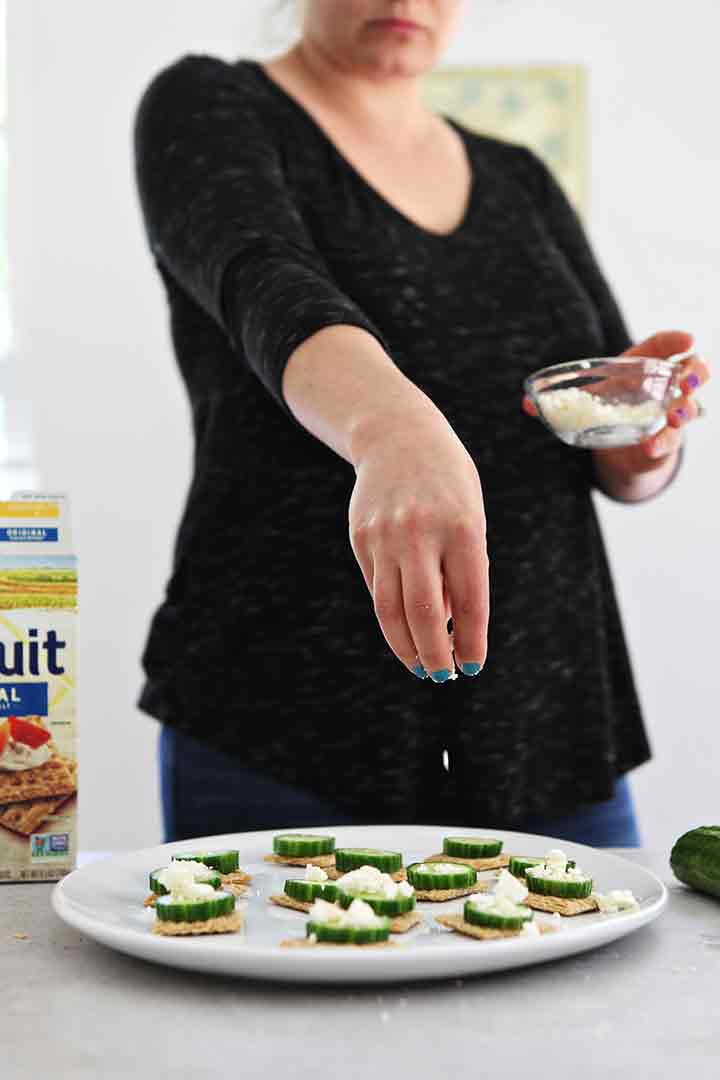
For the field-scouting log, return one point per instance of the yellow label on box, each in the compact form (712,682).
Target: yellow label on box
(29,509)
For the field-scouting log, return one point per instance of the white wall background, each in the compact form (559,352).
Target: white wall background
(110,420)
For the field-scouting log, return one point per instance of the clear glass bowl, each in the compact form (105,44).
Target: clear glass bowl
(606,402)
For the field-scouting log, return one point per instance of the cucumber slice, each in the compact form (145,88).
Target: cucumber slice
(348,935)
(353,858)
(519,864)
(566,890)
(222,861)
(303,845)
(487,917)
(470,847)
(381,905)
(441,875)
(159,889)
(208,907)
(308,891)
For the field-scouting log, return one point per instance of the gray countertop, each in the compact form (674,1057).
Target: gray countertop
(646,1005)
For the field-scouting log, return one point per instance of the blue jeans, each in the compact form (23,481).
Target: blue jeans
(206,792)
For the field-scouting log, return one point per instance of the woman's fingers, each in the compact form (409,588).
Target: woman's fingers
(528,406)
(665,442)
(387,592)
(465,569)
(694,372)
(682,410)
(424,607)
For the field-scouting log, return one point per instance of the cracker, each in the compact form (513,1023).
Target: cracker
(235,889)
(560,904)
(236,877)
(400,924)
(26,817)
(334,874)
(151,900)
(497,862)
(283,900)
(222,924)
(437,896)
(316,860)
(484,933)
(306,943)
(53,777)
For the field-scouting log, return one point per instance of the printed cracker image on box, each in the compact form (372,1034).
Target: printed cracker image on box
(38,762)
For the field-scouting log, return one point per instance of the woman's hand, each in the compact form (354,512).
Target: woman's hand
(633,473)
(417,528)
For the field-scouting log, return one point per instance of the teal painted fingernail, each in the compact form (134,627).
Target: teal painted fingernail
(419,671)
(471,669)
(440,676)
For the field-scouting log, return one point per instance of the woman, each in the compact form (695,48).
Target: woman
(357,289)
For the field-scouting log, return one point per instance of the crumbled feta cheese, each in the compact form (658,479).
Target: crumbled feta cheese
(556,870)
(368,879)
(530,929)
(481,901)
(358,915)
(555,857)
(315,873)
(196,870)
(573,409)
(405,888)
(616,900)
(180,880)
(510,886)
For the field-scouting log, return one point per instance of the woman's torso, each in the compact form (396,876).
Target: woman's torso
(266,607)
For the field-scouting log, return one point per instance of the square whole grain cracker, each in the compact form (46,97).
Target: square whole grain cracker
(497,862)
(53,777)
(222,924)
(306,943)
(560,905)
(283,900)
(26,817)
(438,896)
(484,933)
(398,875)
(288,860)
(235,877)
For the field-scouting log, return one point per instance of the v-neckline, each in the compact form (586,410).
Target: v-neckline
(408,221)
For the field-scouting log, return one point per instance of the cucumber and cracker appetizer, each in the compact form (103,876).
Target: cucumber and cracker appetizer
(394,899)
(388,862)
(439,881)
(332,925)
(496,913)
(519,863)
(193,907)
(299,849)
(301,893)
(470,847)
(501,914)
(479,852)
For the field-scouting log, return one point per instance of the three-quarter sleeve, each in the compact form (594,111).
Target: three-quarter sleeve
(568,232)
(221,218)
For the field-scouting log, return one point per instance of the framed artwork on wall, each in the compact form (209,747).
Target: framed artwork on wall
(542,107)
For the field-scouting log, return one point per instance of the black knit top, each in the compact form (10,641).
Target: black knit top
(266,644)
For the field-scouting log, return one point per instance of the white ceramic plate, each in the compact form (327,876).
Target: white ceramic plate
(104,901)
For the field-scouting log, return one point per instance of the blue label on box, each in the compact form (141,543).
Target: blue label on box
(38,534)
(23,699)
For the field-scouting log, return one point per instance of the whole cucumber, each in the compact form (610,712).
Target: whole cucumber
(695,859)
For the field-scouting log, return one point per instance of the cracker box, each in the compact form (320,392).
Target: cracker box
(38,616)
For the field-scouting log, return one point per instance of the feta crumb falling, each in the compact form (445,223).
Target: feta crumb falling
(315,873)
(530,929)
